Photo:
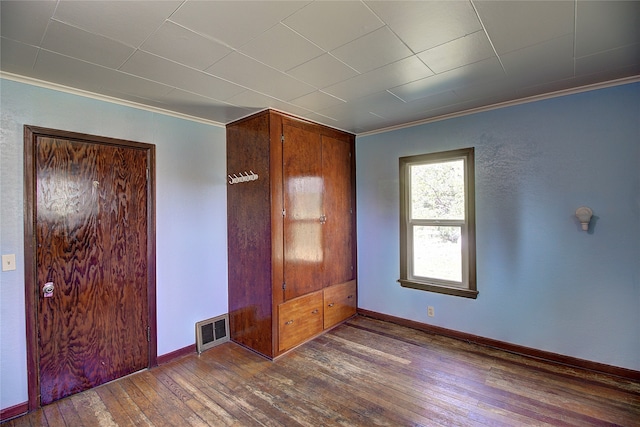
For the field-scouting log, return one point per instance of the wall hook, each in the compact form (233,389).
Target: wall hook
(244,177)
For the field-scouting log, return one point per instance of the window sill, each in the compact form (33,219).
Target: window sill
(441,289)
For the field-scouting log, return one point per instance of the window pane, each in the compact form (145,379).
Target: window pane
(437,252)
(437,190)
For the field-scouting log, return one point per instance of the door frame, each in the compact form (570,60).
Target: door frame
(31,133)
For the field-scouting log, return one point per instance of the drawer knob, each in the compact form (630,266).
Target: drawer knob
(331,304)
(288,322)
(350,296)
(315,311)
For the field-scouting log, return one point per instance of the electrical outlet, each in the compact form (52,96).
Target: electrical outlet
(430,311)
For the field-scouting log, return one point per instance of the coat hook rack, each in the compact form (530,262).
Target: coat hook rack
(247,177)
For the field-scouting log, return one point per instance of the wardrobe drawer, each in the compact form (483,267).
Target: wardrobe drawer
(339,303)
(299,319)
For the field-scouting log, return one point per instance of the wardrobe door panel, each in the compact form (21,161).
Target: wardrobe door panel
(338,197)
(303,206)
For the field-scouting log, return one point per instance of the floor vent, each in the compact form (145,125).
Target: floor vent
(211,332)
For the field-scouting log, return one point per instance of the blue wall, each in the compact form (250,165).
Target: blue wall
(543,282)
(191,214)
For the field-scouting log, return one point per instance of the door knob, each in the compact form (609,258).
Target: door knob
(47,289)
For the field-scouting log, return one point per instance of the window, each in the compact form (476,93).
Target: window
(437,223)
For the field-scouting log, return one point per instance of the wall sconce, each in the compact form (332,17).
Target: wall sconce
(584,216)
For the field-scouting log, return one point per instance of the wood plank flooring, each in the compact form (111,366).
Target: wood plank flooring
(365,372)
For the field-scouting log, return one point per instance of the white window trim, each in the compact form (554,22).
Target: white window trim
(468,287)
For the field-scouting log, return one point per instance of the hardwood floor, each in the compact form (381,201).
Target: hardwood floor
(363,373)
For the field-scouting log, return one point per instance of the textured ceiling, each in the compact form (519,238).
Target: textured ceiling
(359,66)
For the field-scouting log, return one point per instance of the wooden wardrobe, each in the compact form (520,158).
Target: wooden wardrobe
(291,230)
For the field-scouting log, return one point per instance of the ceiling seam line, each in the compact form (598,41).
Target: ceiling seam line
(475,9)
(575,34)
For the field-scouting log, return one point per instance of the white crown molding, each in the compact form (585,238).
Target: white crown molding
(587,88)
(113,100)
(105,98)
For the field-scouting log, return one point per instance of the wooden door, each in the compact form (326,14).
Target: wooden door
(303,206)
(338,199)
(91,244)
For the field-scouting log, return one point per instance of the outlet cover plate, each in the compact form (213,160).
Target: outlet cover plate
(8,262)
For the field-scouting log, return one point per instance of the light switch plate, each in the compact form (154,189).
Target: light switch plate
(8,262)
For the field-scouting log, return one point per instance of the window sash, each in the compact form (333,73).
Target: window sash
(464,259)
(416,164)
